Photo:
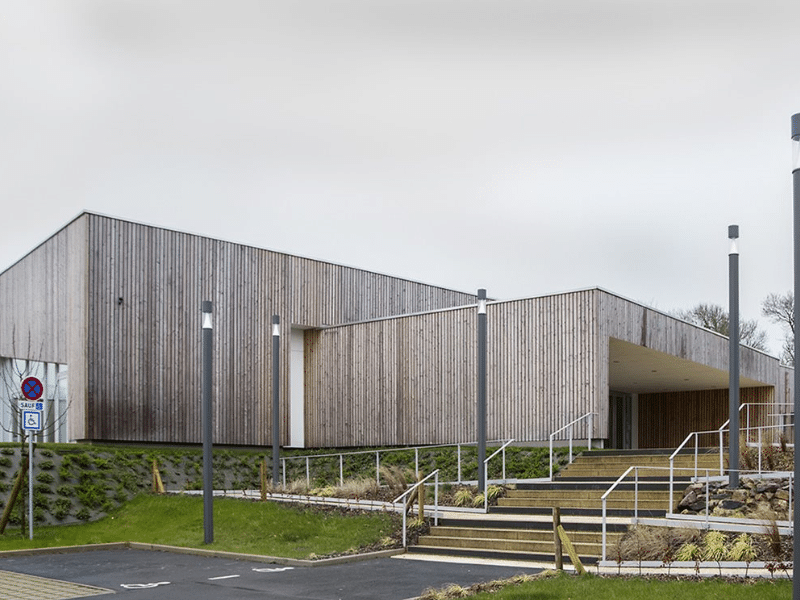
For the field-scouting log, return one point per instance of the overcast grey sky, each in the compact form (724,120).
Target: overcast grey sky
(522,146)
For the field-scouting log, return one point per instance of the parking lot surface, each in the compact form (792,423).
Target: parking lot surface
(152,575)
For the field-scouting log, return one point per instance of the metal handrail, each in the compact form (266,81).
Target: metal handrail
(669,511)
(435,475)
(341,455)
(486,473)
(570,425)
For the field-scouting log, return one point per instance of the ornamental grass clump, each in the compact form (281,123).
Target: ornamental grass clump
(743,550)
(714,548)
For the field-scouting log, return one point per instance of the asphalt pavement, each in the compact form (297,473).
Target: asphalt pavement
(155,575)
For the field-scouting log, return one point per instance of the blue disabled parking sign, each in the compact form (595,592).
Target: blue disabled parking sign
(32,420)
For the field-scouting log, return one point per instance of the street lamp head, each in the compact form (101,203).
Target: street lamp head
(733,235)
(481,301)
(276,325)
(795,142)
(205,307)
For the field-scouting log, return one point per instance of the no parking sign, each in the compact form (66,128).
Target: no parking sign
(32,388)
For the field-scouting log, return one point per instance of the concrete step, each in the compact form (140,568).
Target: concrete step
(530,535)
(590,494)
(546,557)
(526,546)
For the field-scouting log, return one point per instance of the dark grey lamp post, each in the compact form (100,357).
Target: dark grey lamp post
(796,182)
(733,367)
(208,478)
(276,398)
(481,409)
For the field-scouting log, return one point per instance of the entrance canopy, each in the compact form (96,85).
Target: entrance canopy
(634,369)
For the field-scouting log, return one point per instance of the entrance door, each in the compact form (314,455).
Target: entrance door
(621,426)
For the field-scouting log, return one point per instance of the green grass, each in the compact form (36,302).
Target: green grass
(239,526)
(597,588)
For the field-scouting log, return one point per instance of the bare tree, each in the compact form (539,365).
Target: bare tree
(10,381)
(779,309)
(715,318)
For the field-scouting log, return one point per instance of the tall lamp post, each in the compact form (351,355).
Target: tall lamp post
(276,398)
(733,367)
(208,478)
(481,420)
(796,178)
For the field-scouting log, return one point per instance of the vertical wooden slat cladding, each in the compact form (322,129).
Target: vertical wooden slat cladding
(33,296)
(665,419)
(144,352)
(423,384)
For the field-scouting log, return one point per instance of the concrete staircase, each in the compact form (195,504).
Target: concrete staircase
(520,526)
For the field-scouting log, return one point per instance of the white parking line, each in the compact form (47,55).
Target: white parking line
(223,577)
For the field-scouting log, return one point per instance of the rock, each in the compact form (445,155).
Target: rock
(740,496)
(731,504)
(782,495)
(767,486)
(698,506)
(689,499)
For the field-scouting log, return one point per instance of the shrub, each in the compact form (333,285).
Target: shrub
(45,465)
(83,514)
(65,490)
(5,461)
(45,478)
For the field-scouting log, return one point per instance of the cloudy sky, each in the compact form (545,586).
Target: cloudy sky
(522,146)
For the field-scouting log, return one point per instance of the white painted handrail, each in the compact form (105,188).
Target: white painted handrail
(570,426)
(401,497)
(486,473)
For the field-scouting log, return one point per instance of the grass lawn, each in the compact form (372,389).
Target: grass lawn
(239,526)
(567,587)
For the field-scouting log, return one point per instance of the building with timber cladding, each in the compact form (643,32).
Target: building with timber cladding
(108,312)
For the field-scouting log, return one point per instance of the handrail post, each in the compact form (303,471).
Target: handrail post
(636,495)
(436,499)
(405,543)
(551,457)
(308,473)
(341,469)
(721,455)
(708,497)
(416,460)
(791,512)
(591,429)
(696,441)
(378,467)
(570,445)
(504,464)
(283,470)
(604,530)
(458,447)
(760,449)
(671,481)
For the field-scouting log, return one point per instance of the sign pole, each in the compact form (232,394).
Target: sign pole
(30,485)
(31,417)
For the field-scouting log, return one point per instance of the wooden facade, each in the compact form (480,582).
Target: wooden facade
(119,302)
(411,380)
(385,360)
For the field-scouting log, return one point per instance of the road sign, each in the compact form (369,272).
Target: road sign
(32,420)
(32,388)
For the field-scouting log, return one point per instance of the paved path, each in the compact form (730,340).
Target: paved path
(152,575)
